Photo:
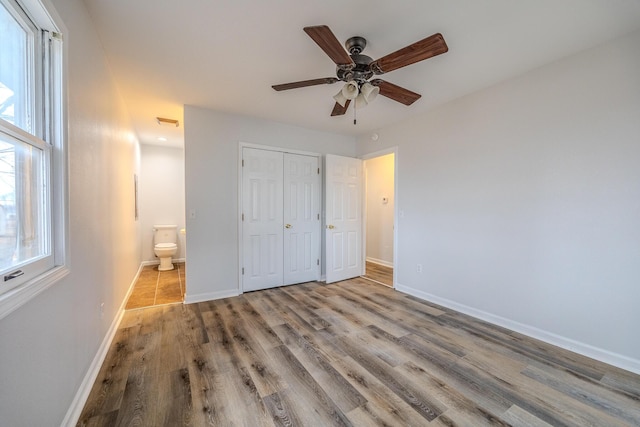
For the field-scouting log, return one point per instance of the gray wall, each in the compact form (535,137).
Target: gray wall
(49,343)
(521,202)
(211,163)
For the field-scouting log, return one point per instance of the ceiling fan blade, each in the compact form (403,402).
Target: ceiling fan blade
(416,52)
(324,37)
(397,93)
(339,110)
(305,83)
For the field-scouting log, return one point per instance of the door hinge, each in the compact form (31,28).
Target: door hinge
(243,217)
(318,171)
(243,271)
(318,263)
(242,162)
(318,217)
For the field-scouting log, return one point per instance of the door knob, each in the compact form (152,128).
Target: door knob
(330,227)
(288,226)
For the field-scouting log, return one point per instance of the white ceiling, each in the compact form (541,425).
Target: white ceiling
(226,54)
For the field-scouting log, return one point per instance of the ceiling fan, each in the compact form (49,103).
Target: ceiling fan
(356,69)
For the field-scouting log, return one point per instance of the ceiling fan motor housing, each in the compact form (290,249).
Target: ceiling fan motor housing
(360,72)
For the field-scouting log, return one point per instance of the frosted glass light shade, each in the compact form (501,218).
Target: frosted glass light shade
(340,99)
(369,92)
(350,89)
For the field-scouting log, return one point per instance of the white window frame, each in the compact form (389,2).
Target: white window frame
(50,114)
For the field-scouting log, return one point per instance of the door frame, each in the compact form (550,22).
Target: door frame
(241,146)
(391,150)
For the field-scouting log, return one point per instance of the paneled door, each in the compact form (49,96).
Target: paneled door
(281,219)
(301,218)
(262,200)
(343,187)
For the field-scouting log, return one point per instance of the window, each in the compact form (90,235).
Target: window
(31,158)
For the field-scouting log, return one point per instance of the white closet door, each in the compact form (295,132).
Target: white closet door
(263,221)
(343,233)
(301,218)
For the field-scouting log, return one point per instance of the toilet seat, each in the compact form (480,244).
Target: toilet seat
(166,245)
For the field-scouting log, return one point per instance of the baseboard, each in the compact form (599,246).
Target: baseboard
(208,296)
(75,410)
(380,262)
(618,360)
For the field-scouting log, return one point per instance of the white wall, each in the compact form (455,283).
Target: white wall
(379,231)
(49,343)
(521,202)
(211,165)
(161,194)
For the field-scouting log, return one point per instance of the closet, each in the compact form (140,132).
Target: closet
(281,224)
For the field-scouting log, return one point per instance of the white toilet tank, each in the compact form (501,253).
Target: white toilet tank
(165,234)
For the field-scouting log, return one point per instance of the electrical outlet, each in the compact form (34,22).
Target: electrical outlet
(419,268)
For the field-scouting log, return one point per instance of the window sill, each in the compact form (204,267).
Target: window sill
(19,296)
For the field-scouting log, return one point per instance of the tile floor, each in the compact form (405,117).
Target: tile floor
(155,287)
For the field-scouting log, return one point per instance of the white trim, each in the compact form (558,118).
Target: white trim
(46,18)
(618,360)
(239,255)
(80,399)
(241,146)
(380,262)
(278,149)
(20,295)
(209,296)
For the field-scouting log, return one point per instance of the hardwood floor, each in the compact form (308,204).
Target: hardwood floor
(379,273)
(155,287)
(349,353)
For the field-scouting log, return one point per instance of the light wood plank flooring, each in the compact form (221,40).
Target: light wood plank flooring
(379,273)
(155,287)
(349,353)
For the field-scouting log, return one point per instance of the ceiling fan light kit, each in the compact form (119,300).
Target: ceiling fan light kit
(350,90)
(363,93)
(356,69)
(340,98)
(369,92)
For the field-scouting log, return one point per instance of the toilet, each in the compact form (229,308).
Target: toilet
(164,240)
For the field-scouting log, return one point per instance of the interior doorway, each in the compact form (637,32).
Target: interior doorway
(380,218)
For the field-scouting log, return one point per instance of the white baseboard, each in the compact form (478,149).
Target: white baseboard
(208,296)
(75,410)
(380,262)
(618,360)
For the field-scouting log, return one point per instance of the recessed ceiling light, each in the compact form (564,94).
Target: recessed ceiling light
(162,138)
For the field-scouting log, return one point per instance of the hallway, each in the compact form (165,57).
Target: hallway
(379,273)
(155,287)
